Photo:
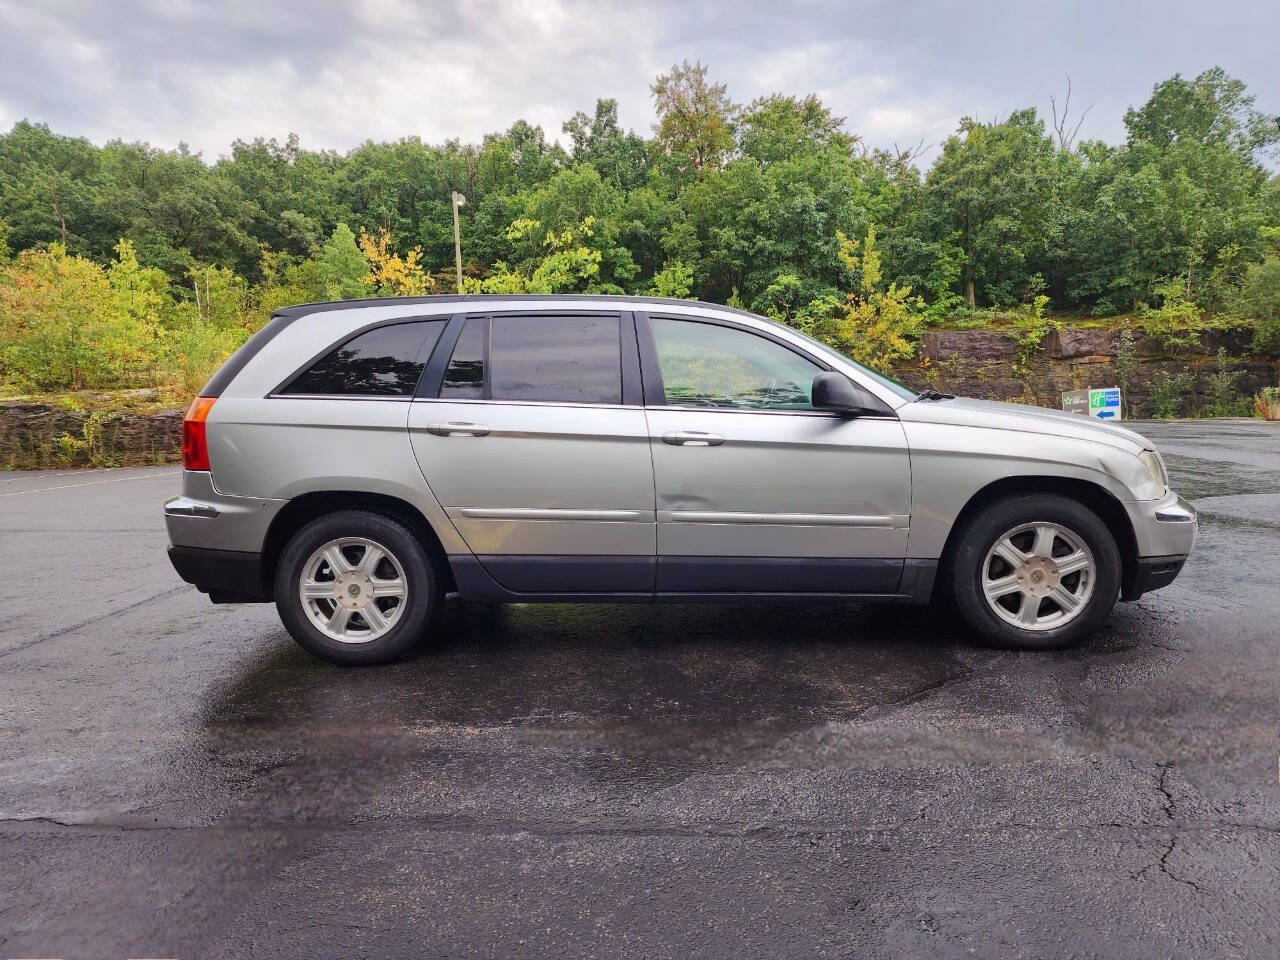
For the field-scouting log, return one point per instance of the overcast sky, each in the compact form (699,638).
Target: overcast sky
(338,72)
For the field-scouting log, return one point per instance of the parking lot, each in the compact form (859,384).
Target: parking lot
(782,780)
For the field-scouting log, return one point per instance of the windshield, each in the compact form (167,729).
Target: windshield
(904,392)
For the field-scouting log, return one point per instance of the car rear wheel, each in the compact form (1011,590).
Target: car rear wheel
(356,587)
(1035,572)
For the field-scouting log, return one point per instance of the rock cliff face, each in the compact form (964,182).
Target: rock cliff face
(985,364)
(37,435)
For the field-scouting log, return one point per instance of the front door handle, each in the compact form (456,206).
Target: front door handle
(457,428)
(692,438)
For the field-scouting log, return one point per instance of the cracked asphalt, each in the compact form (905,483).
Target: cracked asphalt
(824,779)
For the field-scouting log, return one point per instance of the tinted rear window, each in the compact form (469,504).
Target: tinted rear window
(385,362)
(556,359)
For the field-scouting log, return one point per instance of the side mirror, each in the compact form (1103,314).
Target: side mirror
(836,392)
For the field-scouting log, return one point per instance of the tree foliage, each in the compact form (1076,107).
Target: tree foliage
(749,205)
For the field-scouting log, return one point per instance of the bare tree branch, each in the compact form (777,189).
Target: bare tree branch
(1066,134)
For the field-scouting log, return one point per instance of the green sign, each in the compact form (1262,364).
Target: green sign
(1101,403)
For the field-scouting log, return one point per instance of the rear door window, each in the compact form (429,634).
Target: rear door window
(546,357)
(382,362)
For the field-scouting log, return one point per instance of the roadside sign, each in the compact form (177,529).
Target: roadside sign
(1076,401)
(1102,404)
(1105,404)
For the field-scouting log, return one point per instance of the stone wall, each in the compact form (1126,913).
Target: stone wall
(39,435)
(974,363)
(984,364)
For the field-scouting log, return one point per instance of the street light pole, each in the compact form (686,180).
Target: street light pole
(458,200)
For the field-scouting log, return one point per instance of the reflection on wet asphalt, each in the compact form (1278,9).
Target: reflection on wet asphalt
(823,779)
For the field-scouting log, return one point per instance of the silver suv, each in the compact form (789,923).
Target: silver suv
(357,461)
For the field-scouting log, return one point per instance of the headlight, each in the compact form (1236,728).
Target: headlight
(1155,466)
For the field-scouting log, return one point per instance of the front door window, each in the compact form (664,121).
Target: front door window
(708,365)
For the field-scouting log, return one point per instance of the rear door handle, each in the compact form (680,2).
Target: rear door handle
(456,428)
(692,438)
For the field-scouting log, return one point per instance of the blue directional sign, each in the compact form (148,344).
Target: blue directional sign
(1105,403)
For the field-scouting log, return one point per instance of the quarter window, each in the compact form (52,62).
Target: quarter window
(384,362)
(464,377)
(548,358)
(707,365)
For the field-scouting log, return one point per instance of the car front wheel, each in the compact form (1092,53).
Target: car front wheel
(1035,572)
(356,588)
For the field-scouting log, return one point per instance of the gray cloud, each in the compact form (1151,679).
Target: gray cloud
(340,72)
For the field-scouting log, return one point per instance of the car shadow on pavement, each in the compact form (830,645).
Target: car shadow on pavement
(704,679)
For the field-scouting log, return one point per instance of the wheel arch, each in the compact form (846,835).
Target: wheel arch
(303,509)
(1091,495)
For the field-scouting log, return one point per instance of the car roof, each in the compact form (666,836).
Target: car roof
(464,300)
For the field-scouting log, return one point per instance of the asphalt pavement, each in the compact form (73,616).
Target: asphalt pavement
(777,780)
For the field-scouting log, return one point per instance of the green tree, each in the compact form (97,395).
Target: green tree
(343,267)
(291,192)
(994,189)
(695,117)
(622,159)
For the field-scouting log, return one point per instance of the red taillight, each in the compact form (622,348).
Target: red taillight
(195,451)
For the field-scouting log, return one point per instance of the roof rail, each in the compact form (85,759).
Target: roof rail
(302,309)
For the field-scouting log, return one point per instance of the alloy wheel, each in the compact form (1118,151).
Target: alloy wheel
(1038,576)
(353,589)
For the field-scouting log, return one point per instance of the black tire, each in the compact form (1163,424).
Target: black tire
(423,600)
(980,533)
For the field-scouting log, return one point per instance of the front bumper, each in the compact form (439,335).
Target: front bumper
(1166,531)
(1163,528)
(1150,573)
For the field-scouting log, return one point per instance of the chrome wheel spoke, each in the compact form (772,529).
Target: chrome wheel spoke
(1002,586)
(317,590)
(388,588)
(336,560)
(369,562)
(1073,563)
(1067,601)
(1006,551)
(339,619)
(375,618)
(1046,534)
(1029,610)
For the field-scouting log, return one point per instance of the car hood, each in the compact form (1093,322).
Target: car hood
(994,415)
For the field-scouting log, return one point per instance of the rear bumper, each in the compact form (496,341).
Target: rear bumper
(227,576)
(203,517)
(1151,573)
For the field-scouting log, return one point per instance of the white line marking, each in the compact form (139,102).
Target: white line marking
(90,483)
(50,474)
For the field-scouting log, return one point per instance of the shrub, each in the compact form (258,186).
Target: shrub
(1259,301)
(874,325)
(1266,403)
(1030,327)
(65,323)
(1224,398)
(1176,322)
(1169,393)
(675,279)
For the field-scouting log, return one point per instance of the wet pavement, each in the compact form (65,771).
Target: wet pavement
(824,779)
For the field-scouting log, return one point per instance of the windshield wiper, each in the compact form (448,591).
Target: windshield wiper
(934,395)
